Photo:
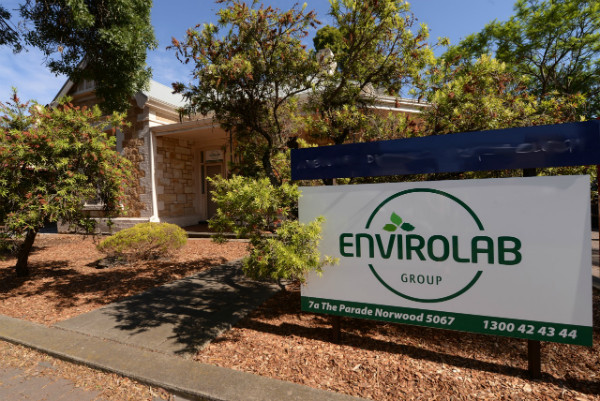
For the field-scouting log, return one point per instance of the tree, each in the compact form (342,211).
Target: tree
(554,43)
(330,38)
(104,41)
(280,248)
(374,52)
(52,161)
(8,34)
(250,76)
(489,95)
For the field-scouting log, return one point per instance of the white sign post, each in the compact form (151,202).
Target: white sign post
(507,257)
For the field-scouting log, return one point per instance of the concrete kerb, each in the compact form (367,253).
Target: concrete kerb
(181,376)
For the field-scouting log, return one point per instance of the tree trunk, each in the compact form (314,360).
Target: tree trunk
(23,253)
(269,171)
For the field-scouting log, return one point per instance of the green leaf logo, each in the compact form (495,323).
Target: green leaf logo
(407,227)
(397,222)
(390,227)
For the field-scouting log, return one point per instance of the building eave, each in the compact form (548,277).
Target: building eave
(178,128)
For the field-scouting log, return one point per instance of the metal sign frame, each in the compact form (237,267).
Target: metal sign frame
(572,144)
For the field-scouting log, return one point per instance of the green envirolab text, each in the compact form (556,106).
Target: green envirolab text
(503,250)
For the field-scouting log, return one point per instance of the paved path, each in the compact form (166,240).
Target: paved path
(180,376)
(177,318)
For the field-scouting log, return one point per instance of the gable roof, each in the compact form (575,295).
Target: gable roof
(164,94)
(156,92)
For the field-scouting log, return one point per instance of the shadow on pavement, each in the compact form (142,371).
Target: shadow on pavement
(180,317)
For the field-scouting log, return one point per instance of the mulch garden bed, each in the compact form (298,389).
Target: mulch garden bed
(399,362)
(374,360)
(65,280)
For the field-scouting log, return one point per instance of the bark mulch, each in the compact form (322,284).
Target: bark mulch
(399,362)
(374,360)
(65,280)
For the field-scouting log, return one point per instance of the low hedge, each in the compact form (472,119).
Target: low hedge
(144,241)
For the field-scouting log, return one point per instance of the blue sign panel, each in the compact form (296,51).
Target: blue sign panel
(572,144)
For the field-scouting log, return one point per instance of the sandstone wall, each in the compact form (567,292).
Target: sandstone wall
(136,149)
(175,177)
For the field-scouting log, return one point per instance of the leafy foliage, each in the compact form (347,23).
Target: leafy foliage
(555,44)
(290,254)
(144,241)
(375,52)
(8,34)
(488,95)
(331,38)
(52,161)
(280,247)
(251,74)
(251,207)
(104,41)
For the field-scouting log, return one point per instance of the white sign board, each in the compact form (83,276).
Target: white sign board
(507,257)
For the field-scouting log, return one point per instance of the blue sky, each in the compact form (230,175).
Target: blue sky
(171,18)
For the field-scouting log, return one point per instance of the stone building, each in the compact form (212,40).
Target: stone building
(173,157)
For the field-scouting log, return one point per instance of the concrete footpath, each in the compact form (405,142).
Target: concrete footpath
(178,318)
(190,379)
(148,337)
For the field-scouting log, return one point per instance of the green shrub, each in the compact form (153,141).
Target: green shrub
(281,248)
(288,255)
(251,207)
(144,241)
